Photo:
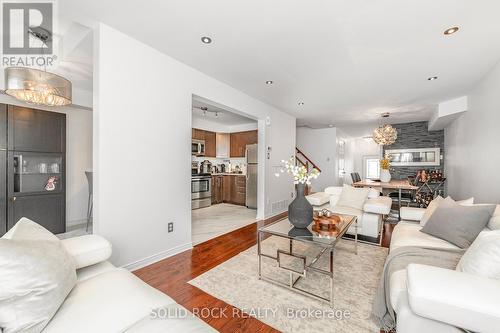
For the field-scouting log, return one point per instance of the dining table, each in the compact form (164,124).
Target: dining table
(394,184)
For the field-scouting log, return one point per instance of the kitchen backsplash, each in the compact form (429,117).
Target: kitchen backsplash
(241,162)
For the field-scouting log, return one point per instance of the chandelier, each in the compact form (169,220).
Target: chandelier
(37,87)
(385,134)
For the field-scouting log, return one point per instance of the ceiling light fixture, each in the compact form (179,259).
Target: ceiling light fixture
(432,78)
(269,82)
(301,103)
(35,86)
(206,40)
(206,112)
(450,31)
(385,134)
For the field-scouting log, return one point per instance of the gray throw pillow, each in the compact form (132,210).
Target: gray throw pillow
(36,275)
(458,224)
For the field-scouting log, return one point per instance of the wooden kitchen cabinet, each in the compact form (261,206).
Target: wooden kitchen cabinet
(198,134)
(208,137)
(217,189)
(227,185)
(240,140)
(234,189)
(210,145)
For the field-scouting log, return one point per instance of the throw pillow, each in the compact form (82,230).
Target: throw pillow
(430,210)
(494,223)
(36,275)
(458,224)
(483,256)
(435,203)
(353,197)
(466,202)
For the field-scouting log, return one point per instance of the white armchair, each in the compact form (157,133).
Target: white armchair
(370,221)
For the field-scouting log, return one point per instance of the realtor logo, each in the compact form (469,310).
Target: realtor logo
(27,28)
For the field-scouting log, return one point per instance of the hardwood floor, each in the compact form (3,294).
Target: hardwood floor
(171,276)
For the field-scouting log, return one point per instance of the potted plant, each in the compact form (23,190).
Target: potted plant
(300,211)
(385,164)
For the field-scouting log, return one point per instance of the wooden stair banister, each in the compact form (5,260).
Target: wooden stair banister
(307,160)
(302,159)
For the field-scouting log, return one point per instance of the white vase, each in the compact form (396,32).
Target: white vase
(385,176)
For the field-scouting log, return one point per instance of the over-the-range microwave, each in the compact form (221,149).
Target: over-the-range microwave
(198,147)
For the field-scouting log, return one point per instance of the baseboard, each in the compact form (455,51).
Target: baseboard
(157,257)
(276,214)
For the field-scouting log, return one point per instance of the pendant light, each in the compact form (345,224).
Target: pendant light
(35,86)
(385,134)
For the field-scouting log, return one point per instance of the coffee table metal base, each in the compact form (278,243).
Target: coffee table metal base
(296,276)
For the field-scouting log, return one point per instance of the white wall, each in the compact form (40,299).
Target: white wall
(320,146)
(142,155)
(472,145)
(357,146)
(78,157)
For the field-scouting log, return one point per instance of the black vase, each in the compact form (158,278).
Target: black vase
(300,211)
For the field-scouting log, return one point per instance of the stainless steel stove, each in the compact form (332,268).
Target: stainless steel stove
(201,190)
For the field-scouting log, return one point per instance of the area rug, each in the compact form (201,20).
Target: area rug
(356,279)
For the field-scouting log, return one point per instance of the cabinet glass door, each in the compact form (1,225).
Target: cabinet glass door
(37,172)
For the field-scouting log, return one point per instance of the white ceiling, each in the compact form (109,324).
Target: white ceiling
(348,61)
(224,117)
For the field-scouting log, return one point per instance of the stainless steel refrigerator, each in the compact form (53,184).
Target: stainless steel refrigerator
(251,156)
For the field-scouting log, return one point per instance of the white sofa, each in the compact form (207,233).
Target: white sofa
(110,299)
(370,219)
(432,299)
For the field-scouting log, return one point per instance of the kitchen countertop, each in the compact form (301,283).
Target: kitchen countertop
(228,174)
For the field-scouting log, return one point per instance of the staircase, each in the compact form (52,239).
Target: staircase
(302,160)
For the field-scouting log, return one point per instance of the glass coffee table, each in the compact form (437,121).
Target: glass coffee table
(325,241)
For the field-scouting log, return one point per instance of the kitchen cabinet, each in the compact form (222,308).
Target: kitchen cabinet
(3,169)
(35,130)
(46,209)
(3,126)
(3,193)
(227,185)
(210,145)
(240,140)
(222,141)
(217,189)
(198,134)
(234,189)
(208,137)
(32,157)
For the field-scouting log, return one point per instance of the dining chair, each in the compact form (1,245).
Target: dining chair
(355,177)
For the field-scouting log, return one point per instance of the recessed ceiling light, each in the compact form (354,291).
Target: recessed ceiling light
(330,125)
(432,78)
(206,40)
(450,31)
(269,82)
(301,103)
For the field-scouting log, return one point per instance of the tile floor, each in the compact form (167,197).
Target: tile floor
(216,220)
